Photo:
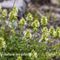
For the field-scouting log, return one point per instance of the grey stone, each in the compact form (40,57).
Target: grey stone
(57,2)
(1,0)
(20,5)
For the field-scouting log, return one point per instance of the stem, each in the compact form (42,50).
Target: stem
(14,3)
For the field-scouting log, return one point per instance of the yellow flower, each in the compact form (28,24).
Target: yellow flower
(2,43)
(44,21)
(33,54)
(28,34)
(19,58)
(35,24)
(29,17)
(22,22)
(4,13)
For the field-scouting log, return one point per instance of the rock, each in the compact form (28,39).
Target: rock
(9,4)
(41,2)
(20,5)
(27,1)
(55,11)
(56,2)
(1,0)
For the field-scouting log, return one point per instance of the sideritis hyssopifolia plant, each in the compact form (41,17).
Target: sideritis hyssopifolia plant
(44,21)
(13,14)
(35,24)
(33,55)
(58,32)
(19,58)
(22,22)
(20,38)
(29,18)
(28,34)
(2,43)
(4,14)
(52,31)
(45,34)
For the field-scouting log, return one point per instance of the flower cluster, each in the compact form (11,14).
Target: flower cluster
(29,17)
(4,13)
(22,22)
(13,14)
(19,58)
(44,21)
(35,24)
(28,34)
(2,43)
(33,55)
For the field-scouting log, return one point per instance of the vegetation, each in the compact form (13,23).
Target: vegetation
(28,38)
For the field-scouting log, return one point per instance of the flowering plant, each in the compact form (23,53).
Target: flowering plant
(27,36)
